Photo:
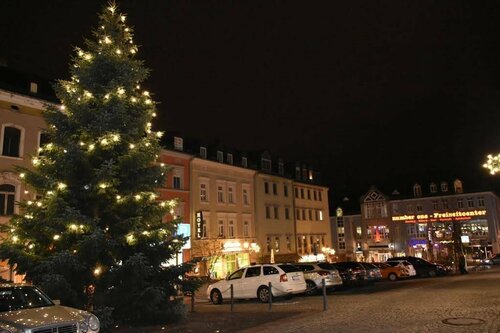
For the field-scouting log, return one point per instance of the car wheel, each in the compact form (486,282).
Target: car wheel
(216,296)
(432,273)
(263,294)
(392,277)
(311,288)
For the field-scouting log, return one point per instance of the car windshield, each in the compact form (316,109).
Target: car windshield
(17,298)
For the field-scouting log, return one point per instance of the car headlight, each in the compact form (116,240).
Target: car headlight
(91,322)
(94,323)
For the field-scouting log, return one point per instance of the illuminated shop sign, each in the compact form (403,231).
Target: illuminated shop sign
(185,230)
(199,225)
(439,217)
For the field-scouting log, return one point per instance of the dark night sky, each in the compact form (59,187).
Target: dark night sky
(381,93)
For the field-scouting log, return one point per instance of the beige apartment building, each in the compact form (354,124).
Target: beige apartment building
(222,208)
(274,214)
(313,230)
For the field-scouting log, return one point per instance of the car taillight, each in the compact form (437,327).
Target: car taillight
(283,278)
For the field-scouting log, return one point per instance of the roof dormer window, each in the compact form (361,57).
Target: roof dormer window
(178,143)
(33,87)
(433,188)
(265,164)
(444,187)
(203,152)
(417,191)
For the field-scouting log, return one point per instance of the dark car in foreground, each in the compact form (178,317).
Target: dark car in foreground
(424,268)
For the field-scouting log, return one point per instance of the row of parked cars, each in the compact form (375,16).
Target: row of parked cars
(296,278)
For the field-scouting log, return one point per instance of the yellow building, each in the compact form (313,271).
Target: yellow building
(222,208)
(313,230)
(274,214)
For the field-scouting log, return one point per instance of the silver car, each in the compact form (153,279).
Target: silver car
(314,276)
(26,309)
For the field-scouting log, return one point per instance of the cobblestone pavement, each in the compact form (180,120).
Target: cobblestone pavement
(455,304)
(459,303)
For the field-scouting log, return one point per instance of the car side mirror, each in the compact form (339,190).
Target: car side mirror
(56,301)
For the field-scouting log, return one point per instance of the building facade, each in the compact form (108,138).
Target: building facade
(275,222)
(177,187)
(223,211)
(435,226)
(21,135)
(313,230)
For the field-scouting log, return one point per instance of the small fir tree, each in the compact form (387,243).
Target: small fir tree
(93,236)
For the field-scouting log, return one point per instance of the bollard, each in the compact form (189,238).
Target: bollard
(270,296)
(192,301)
(232,299)
(323,284)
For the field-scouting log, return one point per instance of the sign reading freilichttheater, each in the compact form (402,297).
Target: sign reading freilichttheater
(439,217)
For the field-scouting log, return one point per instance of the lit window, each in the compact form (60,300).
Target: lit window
(321,215)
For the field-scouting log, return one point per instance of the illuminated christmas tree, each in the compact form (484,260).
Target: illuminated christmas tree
(93,237)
